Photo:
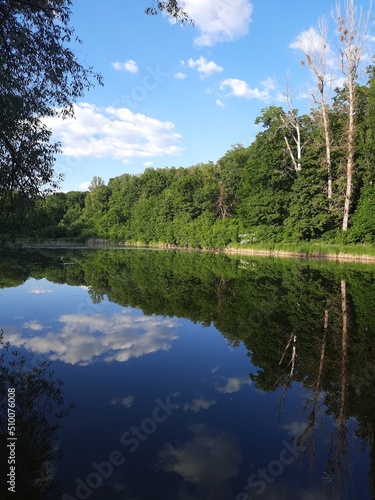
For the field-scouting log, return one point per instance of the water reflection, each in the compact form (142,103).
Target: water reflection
(207,462)
(84,338)
(29,446)
(309,332)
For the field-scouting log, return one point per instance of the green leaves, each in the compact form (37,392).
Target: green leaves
(40,76)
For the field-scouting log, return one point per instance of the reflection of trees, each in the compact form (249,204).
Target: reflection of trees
(305,322)
(39,406)
(329,366)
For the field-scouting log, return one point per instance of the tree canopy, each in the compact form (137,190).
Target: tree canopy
(40,76)
(171,7)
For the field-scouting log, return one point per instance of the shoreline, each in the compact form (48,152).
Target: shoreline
(260,252)
(339,257)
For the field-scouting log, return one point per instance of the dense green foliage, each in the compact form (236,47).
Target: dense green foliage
(251,195)
(41,76)
(275,190)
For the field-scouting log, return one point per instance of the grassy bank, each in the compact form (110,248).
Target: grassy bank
(331,251)
(335,251)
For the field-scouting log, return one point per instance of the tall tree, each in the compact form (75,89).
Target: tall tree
(314,47)
(40,76)
(353,27)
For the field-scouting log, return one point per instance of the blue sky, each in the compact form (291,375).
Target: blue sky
(178,96)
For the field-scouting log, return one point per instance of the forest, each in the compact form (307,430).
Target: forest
(255,194)
(305,177)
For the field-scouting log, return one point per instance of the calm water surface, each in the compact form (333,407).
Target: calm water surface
(193,375)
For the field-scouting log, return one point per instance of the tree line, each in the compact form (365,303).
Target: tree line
(305,176)
(251,195)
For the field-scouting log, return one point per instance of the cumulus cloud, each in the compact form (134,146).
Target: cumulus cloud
(128,65)
(308,41)
(84,186)
(204,67)
(239,88)
(117,133)
(147,163)
(313,43)
(180,75)
(33,325)
(234,384)
(84,338)
(219,20)
(40,291)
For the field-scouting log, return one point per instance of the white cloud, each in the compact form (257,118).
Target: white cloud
(84,338)
(117,133)
(206,68)
(33,325)
(128,65)
(311,42)
(219,20)
(240,88)
(220,103)
(199,404)
(147,163)
(40,291)
(234,384)
(269,83)
(180,75)
(308,41)
(84,186)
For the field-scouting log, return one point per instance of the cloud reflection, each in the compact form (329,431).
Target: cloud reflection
(208,461)
(199,404)
(234,384)
(127,402)
(84,338)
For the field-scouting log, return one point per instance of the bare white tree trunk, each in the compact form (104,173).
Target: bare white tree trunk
(315,52)
(291,124)
(353,28)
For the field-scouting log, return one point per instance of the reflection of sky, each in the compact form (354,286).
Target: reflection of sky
(208,461)
(93,331)
(224,429)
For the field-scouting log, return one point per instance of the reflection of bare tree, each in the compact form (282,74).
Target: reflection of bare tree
(309,433)
(338,471)
(339,448)
(287,379)
(39,406)
(292,362)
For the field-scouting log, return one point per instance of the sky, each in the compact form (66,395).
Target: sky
(176,96)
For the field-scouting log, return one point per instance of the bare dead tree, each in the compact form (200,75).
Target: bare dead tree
(353,27)
(315,50)
(292,125)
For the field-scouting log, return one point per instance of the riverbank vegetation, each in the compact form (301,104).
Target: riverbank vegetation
(253,196)
(306,179)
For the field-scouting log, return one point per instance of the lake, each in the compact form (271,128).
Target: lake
(168,374)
